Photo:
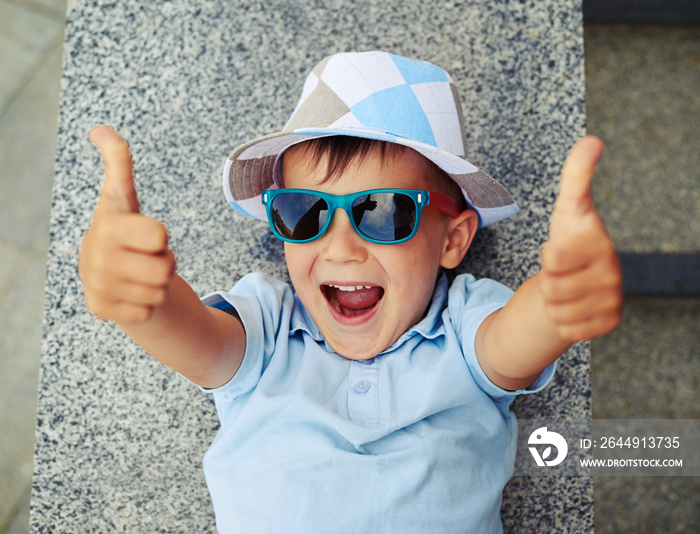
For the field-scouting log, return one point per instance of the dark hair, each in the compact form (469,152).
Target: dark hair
(343,150)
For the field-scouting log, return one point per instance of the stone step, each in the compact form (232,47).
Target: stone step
(661,275)
(645,11)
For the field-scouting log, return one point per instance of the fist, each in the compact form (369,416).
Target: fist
(125,263)
(580,277)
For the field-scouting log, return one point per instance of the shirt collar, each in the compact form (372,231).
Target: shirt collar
(429,327)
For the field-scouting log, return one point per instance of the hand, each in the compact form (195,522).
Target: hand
(125,263)
(580,279)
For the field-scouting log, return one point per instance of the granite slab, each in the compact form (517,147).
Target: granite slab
(120,438)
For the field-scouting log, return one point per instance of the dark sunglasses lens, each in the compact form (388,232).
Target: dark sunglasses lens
(299,216)
(385,217)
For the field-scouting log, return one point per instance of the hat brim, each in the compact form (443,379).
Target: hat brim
(249,171)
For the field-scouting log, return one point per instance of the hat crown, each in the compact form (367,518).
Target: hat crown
(379,92)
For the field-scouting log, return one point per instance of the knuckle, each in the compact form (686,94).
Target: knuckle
(157,233)
(564,315)
(165,269)
(162,235)
(160,270)
(556,314)
(159,296)
(614,281)
(100,283)
(147,295)
(103,229)
(548,285)
(132,313)
(91,283)
(570,334)
(171,262)
(614,304)
(96,289)
(612,321)
(138,314)
(100,262)
(97,307)
(608,304)
(600,327)
(553,257)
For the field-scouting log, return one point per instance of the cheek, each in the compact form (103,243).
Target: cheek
(300,260)
(419,266)
(413,272)
(428,244)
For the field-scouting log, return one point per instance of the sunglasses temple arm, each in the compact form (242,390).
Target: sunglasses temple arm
(445,204)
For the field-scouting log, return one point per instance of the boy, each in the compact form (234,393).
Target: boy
(372,397)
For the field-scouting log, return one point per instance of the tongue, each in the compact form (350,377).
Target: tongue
(359,299)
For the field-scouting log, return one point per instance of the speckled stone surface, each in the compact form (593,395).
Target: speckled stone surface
(120,438)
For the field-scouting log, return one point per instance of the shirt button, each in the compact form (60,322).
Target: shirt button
(362,387)
(367,362)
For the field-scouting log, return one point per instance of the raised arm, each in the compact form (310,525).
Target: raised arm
(128,274)
(576,296)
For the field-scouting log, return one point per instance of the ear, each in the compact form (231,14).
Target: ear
(460,233)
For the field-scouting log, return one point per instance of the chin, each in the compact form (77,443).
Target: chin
(357,352)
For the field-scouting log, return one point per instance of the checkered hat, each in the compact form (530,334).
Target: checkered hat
(375,95)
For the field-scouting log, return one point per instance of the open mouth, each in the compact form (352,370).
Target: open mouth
(354,300)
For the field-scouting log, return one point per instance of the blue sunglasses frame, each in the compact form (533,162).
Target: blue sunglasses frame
(443,203)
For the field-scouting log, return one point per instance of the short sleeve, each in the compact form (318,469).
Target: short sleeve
(264,306)
(470,301)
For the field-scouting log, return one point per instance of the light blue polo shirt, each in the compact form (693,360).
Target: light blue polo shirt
(416,440)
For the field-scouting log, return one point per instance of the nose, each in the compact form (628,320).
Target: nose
(341,243)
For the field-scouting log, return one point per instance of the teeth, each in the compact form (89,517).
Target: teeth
(349,288)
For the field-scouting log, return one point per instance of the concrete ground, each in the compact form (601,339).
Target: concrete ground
(31,43)
(642,99)
(642,85)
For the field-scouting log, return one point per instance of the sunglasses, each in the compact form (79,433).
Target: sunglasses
(383,216)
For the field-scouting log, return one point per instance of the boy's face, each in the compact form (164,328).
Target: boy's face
(401,277)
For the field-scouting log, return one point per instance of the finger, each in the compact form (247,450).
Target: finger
(560,256)
(125,312)
(106,280)
(118,190)
(584,309)
(103,272)
(120,312)
(147,269)
(565,288)
(106,289)
(140,294)
(576,284)
(577,174)
(134,232)
(597,326)
(573,211)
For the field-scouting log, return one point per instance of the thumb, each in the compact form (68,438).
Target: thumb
(118,190)
(574,197)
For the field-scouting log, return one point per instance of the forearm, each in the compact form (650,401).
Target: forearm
(516,343)
(128,274)
(203,344)
(576,296)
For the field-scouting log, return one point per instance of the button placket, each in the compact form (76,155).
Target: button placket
(363,403)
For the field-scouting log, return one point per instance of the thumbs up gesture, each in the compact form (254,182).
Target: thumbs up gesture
(125,263)
(580,278)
